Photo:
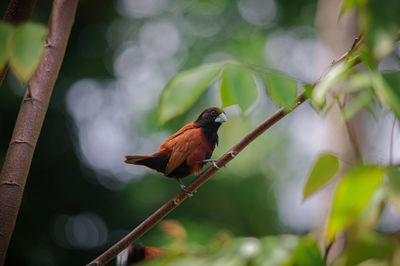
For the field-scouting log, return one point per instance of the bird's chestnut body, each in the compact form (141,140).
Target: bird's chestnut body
(184,152)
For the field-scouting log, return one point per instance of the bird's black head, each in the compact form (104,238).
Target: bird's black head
(212,116)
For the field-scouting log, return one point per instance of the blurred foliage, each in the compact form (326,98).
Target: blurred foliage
(238,87)
(224,249)
(22,47)
(282,90)
(176,99)
(352,196)
(323,171)
(71,213)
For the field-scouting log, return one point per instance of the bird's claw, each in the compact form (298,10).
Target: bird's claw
(187,193)
(183,187)
(213,161)
(215,164)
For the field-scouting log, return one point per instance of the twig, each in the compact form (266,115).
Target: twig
(18,11)
(30,120)
(158,215)
(351,134)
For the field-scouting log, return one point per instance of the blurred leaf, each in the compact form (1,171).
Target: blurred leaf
(307,253)
(359,102)
(173,229)
(6,33)
(323,171)
(349,4)
(277,250)
(27,49)
(371,111)
(370,245)
(238,87)
(373,211)
(282,89)
(308,89)
(387,87)
(352,196)
(380,24)
(185,89)
(328,82)
(366,57)
(393,173)
(357,82)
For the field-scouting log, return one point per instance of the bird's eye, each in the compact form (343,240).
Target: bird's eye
(213,113)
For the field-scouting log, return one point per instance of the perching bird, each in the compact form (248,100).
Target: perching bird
(137,253)
(186,151)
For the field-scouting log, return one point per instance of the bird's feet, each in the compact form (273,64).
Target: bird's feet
(183,187)
(213,161)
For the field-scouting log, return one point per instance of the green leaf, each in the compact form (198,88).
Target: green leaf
(6,33)
(349,4)
(387,87)
(27,49)
(307,253)
(282,89)
(371,111)
(359,102)
(323,171)
(370,245)
(238,87)
(185,89)
(308,89)
(357,82)
(352,197)
(328,82)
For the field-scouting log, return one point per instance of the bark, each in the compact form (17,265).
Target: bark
(30,119)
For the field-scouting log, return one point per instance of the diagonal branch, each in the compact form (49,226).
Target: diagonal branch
(18,11)
(164,210)
(30,119)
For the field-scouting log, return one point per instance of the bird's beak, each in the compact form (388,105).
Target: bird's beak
(221,118)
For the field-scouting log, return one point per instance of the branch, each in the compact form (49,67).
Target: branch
(158,215)
(18,11)
(30,119)
(351,133)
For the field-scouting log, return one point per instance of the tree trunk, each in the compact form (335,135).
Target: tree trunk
(30,119)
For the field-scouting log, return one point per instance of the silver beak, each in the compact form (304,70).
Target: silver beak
(221,118)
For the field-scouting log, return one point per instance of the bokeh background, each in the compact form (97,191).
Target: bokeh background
(80,197)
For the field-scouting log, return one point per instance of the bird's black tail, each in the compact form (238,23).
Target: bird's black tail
(155,161)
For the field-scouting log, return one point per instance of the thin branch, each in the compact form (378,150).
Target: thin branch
(351,134)
(164,210)
(191,188)
(391,141)
(30,120)
(18,11)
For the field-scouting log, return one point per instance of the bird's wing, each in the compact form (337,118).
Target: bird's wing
(182,145)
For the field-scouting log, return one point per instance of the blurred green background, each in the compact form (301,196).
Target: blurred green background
(80,197)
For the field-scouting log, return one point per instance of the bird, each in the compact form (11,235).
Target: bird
(188,150)
(137,253)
